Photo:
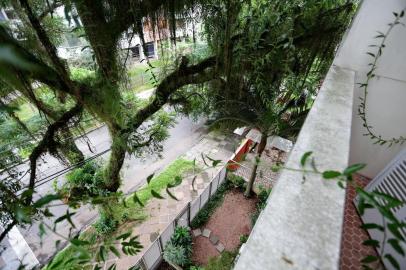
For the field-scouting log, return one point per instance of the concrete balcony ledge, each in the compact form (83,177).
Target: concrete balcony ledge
(301,226)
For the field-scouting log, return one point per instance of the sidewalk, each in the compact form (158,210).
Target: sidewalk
(162,212)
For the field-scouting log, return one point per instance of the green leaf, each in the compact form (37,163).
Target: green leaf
(177,182)
(396,246)
(46,199)
(115,251)
(193,182)
(136,199)
(66,216)
(204,160)
(214,162)
(369,259)
(371,242)
(353,169)
(42,231)
(393,228)
(149,178)
(392,201)
(330,174)
(371,226)
(305,157)
(156,194)
(393,261)
(78,242)
(171,195)
(341,184)
(112,267)
(124,236)
(102,253)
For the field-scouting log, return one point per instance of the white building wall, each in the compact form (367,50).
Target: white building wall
(386,104)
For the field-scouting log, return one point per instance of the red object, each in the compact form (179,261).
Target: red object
(239,154)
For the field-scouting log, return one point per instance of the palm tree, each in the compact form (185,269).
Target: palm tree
(284,118)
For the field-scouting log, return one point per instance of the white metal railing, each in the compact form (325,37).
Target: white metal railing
(154,254)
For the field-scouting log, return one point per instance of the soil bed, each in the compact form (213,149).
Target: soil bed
(229,221)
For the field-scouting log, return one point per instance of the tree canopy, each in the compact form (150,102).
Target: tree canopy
(263,58)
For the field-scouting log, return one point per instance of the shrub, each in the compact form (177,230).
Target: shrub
(179,248)
(223,262)
(182,237)
(105,225)
(176,254)
(262,198)
(243,238)
(85,181)
(196,267)
(205,213)
(237,181)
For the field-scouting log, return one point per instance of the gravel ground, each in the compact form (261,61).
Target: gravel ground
(228,222)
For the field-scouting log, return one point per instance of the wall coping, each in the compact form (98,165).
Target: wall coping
(301,226)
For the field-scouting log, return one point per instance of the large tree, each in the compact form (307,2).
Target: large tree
(274,55)
(253,47)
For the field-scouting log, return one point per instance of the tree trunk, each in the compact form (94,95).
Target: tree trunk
(116,160)
(261,148)
(69,148)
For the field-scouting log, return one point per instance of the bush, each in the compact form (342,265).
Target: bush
(205,213)
(182,237)
(223,262)
(179,248)
(105,225)
(176,254)
(262,198)
(196,267)
(85,181)
(243,238)
(237,181)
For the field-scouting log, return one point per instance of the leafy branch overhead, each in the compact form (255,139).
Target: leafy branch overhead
(262,63)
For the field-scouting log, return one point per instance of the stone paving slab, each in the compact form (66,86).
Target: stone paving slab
(214,239)
(197,232)
(220,247)
(206,233)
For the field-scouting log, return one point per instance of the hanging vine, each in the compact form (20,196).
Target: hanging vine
(378,139)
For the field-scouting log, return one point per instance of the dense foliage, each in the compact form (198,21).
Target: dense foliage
(178,250)
(261,62)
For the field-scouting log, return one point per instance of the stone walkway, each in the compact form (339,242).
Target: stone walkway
(162,212)
(214,239)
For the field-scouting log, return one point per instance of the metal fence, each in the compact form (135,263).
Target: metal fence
(154,254)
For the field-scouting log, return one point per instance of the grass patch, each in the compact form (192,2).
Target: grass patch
(159,182)
(223,262)
(140,78)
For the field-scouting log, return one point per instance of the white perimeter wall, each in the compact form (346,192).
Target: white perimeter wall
(386,105)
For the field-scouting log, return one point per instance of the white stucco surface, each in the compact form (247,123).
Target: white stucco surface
(386,109)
